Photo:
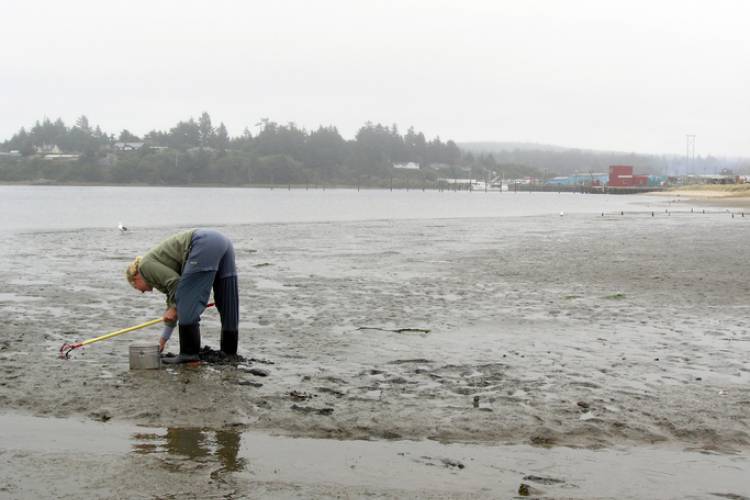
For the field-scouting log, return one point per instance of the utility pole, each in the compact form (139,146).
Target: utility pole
(690,152)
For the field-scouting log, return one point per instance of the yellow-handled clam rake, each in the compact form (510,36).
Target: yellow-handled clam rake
(67,347)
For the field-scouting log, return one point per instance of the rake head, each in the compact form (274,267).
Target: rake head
(66,348)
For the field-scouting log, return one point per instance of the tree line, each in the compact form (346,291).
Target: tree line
(198,152)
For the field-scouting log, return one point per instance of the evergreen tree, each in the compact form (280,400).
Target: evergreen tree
(184,135)
(206,130)
(221,138)
(126,136)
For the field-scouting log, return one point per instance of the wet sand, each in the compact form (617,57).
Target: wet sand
(738,200)
(87,460)
(579,331)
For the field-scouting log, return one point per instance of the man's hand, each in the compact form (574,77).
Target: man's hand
(162,344)
(170,315)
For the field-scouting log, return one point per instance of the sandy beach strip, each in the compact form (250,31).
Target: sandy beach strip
(735,195)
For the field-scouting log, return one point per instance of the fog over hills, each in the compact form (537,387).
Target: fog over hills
(499,146)
(559,160)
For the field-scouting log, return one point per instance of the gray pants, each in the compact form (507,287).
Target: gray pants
(210,264)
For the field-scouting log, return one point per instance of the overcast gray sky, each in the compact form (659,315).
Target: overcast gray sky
(626,75)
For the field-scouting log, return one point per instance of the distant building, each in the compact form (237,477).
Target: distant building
(61,156)
(197,149)
(449,180)
(407,166)
(711,179)
(622,176)
(47,149)
(127,146)
(657,180)
(584,179)
(522,181)
(53,152)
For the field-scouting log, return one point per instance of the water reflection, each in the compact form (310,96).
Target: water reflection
(194,444)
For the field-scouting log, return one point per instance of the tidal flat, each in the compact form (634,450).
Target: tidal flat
(617,335)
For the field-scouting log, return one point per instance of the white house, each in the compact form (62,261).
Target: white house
(61,156)
(127,146)
(47,149)
(407,166)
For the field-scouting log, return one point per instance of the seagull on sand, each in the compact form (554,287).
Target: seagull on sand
(121,227)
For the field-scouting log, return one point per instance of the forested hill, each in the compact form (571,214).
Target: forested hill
(198,152)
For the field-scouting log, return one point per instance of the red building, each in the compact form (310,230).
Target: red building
(622,176)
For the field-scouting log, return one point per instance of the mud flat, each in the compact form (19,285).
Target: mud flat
(67,458)
(576,334)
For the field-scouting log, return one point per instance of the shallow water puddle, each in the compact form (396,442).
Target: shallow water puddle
(12,297)
(153,457)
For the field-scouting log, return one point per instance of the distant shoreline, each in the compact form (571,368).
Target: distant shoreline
(725,195)
(245,186)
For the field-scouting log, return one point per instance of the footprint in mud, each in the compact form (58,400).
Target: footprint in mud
(262,361)
(329,378)
(101,415)
(399,381)
(543,437)
(333,392)
(543,480)
(249,383)
(419,361)
(448,463)
(310,409)
(258,372)
(301,396)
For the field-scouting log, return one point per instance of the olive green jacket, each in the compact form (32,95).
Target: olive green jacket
(162,266)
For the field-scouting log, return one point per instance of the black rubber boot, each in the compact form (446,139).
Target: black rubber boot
(190,345)
(229,342)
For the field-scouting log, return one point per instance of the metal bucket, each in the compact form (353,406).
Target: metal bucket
(144,356)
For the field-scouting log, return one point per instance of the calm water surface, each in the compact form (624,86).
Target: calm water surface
(76,207)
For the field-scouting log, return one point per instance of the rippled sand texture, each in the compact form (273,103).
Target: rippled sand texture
(579,330)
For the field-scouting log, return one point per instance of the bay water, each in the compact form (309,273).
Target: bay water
(78,207)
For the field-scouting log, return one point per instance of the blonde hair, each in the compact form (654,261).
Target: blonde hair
(132,270)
